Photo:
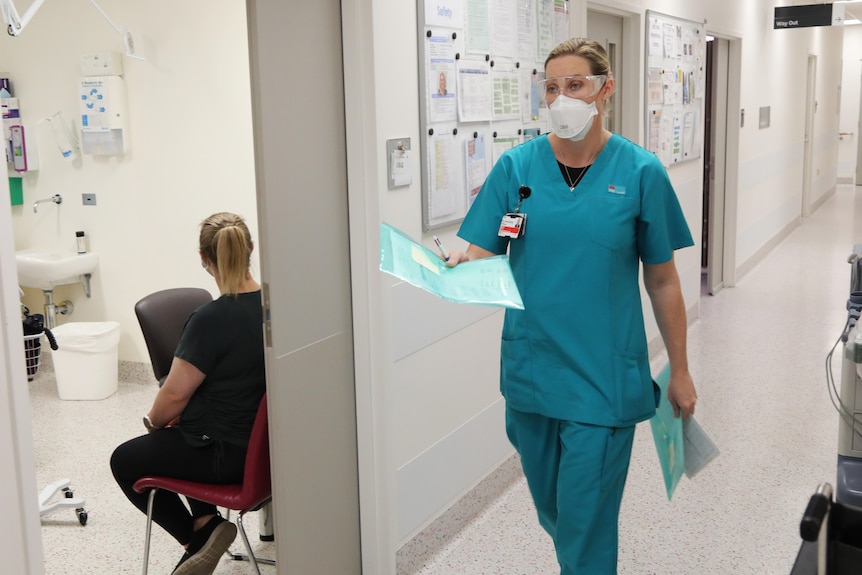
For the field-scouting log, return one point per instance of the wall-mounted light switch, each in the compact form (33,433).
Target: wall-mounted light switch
(763,122)
(88,199)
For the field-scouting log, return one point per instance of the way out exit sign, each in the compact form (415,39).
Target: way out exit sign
(808,15)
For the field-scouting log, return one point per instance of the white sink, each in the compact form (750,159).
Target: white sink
(45,269)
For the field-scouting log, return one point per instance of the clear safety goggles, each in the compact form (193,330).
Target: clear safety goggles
(580,87)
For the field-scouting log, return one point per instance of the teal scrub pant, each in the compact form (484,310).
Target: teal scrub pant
(576,474)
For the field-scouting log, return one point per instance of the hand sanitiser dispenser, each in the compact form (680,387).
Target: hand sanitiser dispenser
(103,115)
(19,148)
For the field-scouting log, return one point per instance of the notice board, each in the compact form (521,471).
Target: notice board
(479,62)
(675,84)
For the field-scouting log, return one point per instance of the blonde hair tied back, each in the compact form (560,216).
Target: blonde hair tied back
(226,242)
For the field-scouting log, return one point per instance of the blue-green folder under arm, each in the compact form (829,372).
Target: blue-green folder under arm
(487,281)
(668,437)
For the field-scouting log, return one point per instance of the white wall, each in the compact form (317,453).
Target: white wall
(443,397)
(851,75)
(190,147)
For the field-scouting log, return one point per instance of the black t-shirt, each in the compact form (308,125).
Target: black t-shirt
(224,340)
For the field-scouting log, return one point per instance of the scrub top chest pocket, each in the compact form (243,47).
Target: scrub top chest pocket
(613,221)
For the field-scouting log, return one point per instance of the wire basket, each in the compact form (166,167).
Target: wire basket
(32,354)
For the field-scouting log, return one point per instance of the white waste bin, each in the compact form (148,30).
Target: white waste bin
(85,361)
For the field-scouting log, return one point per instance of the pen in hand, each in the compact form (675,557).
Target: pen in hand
(440,247)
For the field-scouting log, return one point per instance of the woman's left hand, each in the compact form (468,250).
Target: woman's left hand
(681,394)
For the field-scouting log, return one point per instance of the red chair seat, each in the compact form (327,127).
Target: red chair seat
(254,491)
(229,496)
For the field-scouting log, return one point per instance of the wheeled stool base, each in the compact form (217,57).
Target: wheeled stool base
(67,500)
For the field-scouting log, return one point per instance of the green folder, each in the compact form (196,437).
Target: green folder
(486,281)
(682,445)
(668,437)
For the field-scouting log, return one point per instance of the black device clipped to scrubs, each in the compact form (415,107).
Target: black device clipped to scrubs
(514,224)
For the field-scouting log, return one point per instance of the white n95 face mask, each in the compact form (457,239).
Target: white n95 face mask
(571,118)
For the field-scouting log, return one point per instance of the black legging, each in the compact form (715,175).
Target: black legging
(165,453)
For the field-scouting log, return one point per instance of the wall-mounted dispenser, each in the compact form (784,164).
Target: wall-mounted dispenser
(10,115)
(19,148)
(103,115)
(18,140)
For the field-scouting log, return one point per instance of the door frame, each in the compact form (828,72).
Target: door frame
(614,46)
(629,102)
(717,85)
(22,543)
(722,259)
(859,137)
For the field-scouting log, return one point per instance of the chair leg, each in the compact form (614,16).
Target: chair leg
(149,530)
(248,549)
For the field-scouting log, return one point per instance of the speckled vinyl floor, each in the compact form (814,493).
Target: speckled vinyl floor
(74,440)
(758,357)
(757,354)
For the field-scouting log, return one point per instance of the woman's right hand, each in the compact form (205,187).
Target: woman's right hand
(473,252)
(456,258)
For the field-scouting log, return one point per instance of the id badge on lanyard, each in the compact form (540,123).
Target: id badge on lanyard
(514,224)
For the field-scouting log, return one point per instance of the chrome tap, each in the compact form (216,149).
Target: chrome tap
(56,198)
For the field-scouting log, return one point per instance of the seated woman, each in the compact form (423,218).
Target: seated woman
(201,420)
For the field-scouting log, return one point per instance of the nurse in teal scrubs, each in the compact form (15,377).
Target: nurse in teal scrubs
(588,207)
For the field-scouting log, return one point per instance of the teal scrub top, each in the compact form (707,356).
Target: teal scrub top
(578,351)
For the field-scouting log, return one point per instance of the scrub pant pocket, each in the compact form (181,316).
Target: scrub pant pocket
(576,474)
